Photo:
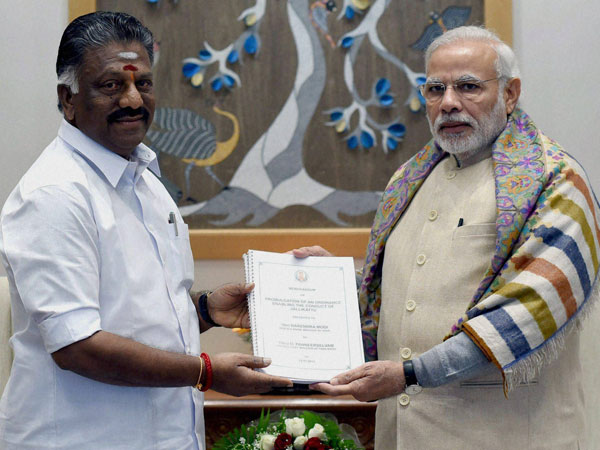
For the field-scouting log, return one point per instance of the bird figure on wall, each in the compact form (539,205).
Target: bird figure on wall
(183,134)
(452,17)
(318,13)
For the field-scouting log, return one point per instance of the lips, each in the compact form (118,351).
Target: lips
(453,127)
(130,119)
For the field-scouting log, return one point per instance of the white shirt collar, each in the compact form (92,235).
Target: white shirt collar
(109,163)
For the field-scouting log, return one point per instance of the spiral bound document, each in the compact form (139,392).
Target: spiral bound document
(304,315)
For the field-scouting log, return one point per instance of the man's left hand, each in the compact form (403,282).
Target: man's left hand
(228,307)
(371,381)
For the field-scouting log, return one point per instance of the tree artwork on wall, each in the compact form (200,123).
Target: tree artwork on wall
(288,113)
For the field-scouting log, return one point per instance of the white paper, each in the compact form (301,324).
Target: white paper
(304,315)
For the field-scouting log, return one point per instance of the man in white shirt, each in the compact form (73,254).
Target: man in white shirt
(106,334)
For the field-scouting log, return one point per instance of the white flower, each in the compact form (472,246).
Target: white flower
(299,442)
(317,431)
(242,440)
(267,442)
(295,426)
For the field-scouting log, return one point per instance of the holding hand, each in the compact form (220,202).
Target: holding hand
(304,252)
(233,374)
(371,381)
(228,307)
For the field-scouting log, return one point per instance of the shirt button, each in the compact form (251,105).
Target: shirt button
(433,215)
(405,352)
(421,259)
(450,175)
(411,305)
(404,399)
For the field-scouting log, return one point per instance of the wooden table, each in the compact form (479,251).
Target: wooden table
(222,413)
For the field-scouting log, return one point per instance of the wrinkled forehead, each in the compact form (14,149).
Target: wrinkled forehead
(453,61)
(128,56)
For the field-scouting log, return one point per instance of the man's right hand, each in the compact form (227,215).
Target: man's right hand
(304,252)
(233,374)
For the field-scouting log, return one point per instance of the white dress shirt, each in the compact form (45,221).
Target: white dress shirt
(87,245)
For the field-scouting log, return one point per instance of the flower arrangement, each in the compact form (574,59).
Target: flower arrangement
(291,430)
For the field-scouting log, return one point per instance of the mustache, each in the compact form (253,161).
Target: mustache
(454,117)
(129,112)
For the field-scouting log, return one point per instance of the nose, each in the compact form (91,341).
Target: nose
(450,100)
(131,97)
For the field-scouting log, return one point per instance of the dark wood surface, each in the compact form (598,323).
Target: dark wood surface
(222,413)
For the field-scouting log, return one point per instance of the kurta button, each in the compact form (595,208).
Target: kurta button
(411,305)
(404,399)
(451,175)
(421,259)
(433,215)
(405,352)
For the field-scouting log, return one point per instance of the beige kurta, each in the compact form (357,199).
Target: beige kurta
(431,270)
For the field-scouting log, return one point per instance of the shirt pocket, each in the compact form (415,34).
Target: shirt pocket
(475,230)
(183,260)
(471,253)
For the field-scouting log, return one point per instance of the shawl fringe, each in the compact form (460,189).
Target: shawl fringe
(526,369)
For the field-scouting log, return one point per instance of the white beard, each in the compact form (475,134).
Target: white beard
(484,132)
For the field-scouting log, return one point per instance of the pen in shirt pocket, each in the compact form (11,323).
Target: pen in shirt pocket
(460,222)
(173,220)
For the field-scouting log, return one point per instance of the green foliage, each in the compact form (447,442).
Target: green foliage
(242,438)
(332,430)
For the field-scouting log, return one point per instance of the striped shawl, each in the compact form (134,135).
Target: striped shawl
(545,264)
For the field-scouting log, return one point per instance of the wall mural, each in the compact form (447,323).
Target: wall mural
(288,113)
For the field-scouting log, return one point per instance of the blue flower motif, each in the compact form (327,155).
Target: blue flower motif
(191,69)
(251,45)
(216,84)
(382,86)
(347,42)
(233,57)
(229,81)
(381,89)
(349,13)
(392,143)
(204,55)
(352,142)
(398,130)
(336,116)
(386,100)
(366,140)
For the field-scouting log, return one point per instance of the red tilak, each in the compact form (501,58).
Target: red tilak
(130,67)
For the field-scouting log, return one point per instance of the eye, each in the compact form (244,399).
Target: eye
(468,86)
(435,88)
(144,85)
(110,86)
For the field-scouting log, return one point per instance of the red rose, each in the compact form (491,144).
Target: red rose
(314,443)
(283,441)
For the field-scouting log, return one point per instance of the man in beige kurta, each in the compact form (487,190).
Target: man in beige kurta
(426,280)
(492,218)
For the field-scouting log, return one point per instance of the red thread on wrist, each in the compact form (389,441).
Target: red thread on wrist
(209,373)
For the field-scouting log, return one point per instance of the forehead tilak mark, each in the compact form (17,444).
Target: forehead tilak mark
(128,55)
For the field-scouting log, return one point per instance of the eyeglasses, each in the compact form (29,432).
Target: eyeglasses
(469,89)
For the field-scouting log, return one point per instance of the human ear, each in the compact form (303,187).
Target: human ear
(512,92)
(66,100)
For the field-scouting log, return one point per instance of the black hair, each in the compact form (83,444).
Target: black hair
(92,31)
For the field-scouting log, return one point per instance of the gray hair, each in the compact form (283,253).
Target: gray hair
(92,31)
(506,64)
